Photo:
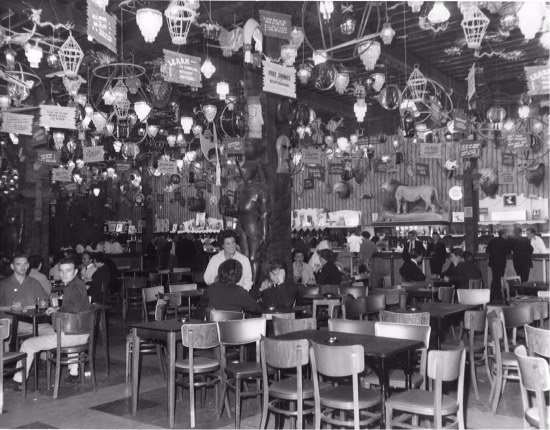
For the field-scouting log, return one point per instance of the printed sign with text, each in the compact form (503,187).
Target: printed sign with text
(538,80)
(57,117)
(517,141)
(311,156)
(62,175)
(431,150)
(47,157)
(275,24)
(101,26)
(470,149)
(422,169)
(181,69)
(316,172)
(460,121)
(17,123)
(93,153)
(279,79)
(167,167)
(336,168)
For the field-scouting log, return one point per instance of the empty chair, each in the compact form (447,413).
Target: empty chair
(65,324)
(375,304)
(474,284)
(446,294)
(516,317)
(180,288)
(505,283)
(285,325)
(174,277)
(131,293)
(282,315)
(351,326)
(154,278)
(149,297)
(538,341)
(534,378)
(7,357)
(205,369)
(393,295)
(281,355)
(474,297)
(443,366)
(236,333)
(404,331)
(339,362)
(356,292)
(419,318)
(354,308)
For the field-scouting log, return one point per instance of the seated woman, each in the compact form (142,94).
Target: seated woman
(225,294)
(302,271)
(410,271)
(465,269)
(329,273)
(278,290)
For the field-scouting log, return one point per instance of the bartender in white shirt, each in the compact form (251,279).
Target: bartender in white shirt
(536,242)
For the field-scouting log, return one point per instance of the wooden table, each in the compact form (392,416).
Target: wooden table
(170,331)
(530,288)
(381,353)
(33,317)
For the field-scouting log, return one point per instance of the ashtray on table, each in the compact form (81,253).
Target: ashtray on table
(329,295)
(332,339)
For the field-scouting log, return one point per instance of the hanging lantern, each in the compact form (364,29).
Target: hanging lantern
(378,80)
(186,123)
(474,24)
(417,84)
(58,139)
(196,129)
(10,54)
(326,8)
(133,83)
(222,88)
(160,90)
(34,54)
(100,120)
(179,17)
(119,92)
(5,102)
(343,144)
(319,57)
(523,111)
(530,16)
(149,22)
(70,55)
(296,36)
(209,112)
(342,81)
(142,110)
(509,20)
(347,25)
(304,73)
(415,5)
(208,68)
(288,54)
(53,60)
(369,52)
(360,109)
(110,127)
(122,108)
(18,92)
(439,13)
(131,150)
(387,33)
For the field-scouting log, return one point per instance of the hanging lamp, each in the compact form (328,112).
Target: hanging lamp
(149,22)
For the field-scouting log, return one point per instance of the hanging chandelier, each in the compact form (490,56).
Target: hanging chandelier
(360,109)
(369,52)
(387,33)
(378,80)
(34,54)
(439,13)
(149,22)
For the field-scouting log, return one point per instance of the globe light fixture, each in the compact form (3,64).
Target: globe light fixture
(439,13)
(142,110)
(530,16)
(319,57)
(208,68)
(296,36)
(222,88)
(360,109)
(348,23)
(523,111)
(186,124)
(210,112)
(152,130)
(288,54)
(415,5)
(369,52)
(304,73)
(387,33)
(149,22)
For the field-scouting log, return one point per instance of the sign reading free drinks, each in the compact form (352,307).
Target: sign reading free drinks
(279,79)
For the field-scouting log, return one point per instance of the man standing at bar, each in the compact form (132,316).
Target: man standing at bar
(437,253)
(413,244)
(522,251)
(497,248)
(536,242)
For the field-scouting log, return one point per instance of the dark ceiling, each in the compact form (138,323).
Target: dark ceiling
(441,55)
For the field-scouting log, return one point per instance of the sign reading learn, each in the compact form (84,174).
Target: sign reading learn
(181,69)
(279,79)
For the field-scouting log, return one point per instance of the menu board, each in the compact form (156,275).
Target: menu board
(101,26)
(275,24)
(17,123)
(431,150)
(517,141)
(181,69)
(470,149)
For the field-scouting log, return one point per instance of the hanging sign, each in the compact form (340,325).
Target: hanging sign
(123,166)
(316,172)
(516,141)
(62,175)
(93,154)
(17,123)
(233,145)
(50,158)
(538,80)
(470,149)
(336,168)
(57,117)
(181,69)
(311,156)
(508,159)
(506,178)
(422,169)
(167,167)
(309,184)
(460,121)
(275,24)
(101,26)
(279,79)
(431,150)
(379,166)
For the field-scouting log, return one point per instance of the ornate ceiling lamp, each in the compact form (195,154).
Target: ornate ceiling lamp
(222,88)
(369,52)
(142,110)
(474,23)
(387,33)
(530,16)
(288,54)
(439,13)
(342,81)
(360,109)
(304,73)
(186,123)
(378,81)
(208,68)
(34,54)
(417,84)
(149,22)
(210,112)
(415,5)
(179,17)
(296,36)
(326,8)
(70,55)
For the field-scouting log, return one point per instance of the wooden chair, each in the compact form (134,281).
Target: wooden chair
(65,324)
(282,315)
(351,326)
(397,377)
(201,371)
(356,292)
(175,277)
(285,325)
(474,297)
(7,357)
(505,283)
(446,294)
(175,289)
(236,333)
(534,378)
(374,304)
(154,278)
(418,318)
(393,296)
(339,362)
(131,293)
(443,366)
(149,297)
(538,341)
(216,315)
(516,317)
(354,308)
(283,355)
(475,284)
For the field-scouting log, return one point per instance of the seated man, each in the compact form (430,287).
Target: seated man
(75,300)
(35,263)
(410,271)
(278,290)
(464,270)
(101,276)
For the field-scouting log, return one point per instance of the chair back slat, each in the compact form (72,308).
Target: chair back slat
(221,315)
(282,354)
(135,283)
(355,291)
(351,326)
(475,284)
(355,308)
(284,325)
(338,361)
(517,316)
(161,309)
(393,295)
(404,331)
(534,371)
(505,283)
(80,323)
(446,294)
(538,341)
(474,297)
(375,303)
(420,318)
(178,288)
(241,332)
(151,294)
(5,327)
(453,361)
(475,320)
(200,336)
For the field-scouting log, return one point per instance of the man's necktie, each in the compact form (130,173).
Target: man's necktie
(411,247)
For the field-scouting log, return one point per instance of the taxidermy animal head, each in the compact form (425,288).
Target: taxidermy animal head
(535,174)
(488,181)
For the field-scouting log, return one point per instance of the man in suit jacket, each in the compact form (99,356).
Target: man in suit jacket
(412,244)
(498,248)
(437,253)
(464,270)
(522,251)
(410,270)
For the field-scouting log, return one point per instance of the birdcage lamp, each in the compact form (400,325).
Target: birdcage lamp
(179,17)
(474,24)
(70,56)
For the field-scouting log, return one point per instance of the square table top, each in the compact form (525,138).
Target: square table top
(375,346)
(29,314)
(442,309)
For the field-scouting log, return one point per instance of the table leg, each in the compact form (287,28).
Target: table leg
(36,356)
(383,380)
(135,370)
(104,338)
(409,370)
(189,307)
(171,341)
(439,332)
(13,334)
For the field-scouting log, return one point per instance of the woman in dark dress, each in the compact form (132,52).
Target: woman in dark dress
(278,290)
(329,273)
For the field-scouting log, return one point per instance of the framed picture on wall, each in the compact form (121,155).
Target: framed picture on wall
(509,199)
(200,220)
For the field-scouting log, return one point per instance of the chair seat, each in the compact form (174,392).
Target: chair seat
(509,359)
(244,370)
(12,357)
(479,345)
(421,402)
(397,379)
(341,397)
(532,417)
(71,349)
(200,365)
(287,389)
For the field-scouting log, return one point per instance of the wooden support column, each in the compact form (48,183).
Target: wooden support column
(471,205)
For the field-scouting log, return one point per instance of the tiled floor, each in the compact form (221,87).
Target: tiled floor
(110,407)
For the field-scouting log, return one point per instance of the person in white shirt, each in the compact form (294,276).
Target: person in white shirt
(229,251)
(536,242)
(87,268)
(314,261)
(354,242)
